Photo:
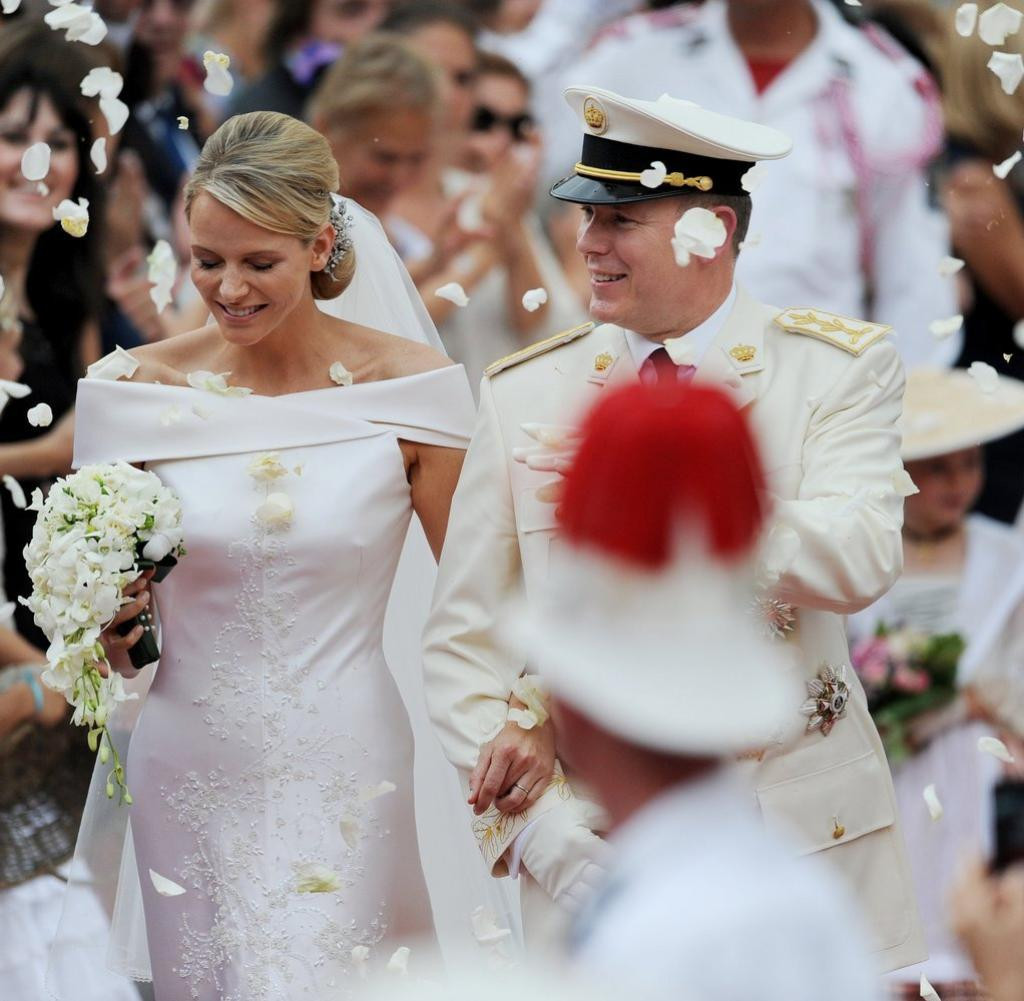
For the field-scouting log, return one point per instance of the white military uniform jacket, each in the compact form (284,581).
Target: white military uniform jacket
(826,419)
(860,131)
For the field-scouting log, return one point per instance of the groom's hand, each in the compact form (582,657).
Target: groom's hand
(514,769)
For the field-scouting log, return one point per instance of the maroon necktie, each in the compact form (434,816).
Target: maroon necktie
(659,367)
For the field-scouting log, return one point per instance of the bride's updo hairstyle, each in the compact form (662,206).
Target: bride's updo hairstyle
(278,173)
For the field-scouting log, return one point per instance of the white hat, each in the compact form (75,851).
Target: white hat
(951,409)
(702,151)
(649,624)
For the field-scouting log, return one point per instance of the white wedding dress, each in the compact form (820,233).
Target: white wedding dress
(273,730)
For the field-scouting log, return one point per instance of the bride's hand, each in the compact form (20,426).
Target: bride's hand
(138,597)
(514,769)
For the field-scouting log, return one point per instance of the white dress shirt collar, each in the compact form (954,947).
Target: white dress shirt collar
(700,338)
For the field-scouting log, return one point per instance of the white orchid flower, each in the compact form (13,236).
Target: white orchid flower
(949,266)
(946,327)
(98,154)
(79,24)
(966,18)
(995,747)
(486,929)
(931,798)
(399,961)
(698,232)
(266,467)
(73,219)
(534,298)
(903,484)
(1002,170)
(116,365)
(985,376)
(654,176)
(1009,67)
(218,80)
(453,292)
(162,273)
(276,511)
(164,886)
(16,492)
(369,793)
(35,162)
(216,383)
(751,180)
(40,416)
(997,23)
(315,877)
(339,374)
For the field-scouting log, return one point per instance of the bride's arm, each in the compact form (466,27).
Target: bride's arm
(433,474)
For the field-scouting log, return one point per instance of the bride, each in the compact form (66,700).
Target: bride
(272,763)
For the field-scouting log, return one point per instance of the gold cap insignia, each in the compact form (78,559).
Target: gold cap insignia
(594,115)
(743,352)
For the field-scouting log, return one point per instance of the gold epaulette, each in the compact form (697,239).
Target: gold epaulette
(842,331)
(541,347)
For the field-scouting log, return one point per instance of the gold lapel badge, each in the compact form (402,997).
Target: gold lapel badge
(743,352)
(602,367)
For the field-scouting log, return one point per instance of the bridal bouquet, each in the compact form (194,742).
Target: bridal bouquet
(97,532)
(905,674)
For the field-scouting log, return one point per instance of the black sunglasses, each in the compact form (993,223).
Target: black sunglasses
(484,120)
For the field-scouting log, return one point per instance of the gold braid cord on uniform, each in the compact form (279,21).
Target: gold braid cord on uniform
(675,179)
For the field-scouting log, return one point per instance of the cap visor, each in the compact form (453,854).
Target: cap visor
(588,191)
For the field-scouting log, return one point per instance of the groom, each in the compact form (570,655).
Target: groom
(822,392)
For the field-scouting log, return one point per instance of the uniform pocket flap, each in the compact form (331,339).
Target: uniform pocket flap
(534,514)
(831,807)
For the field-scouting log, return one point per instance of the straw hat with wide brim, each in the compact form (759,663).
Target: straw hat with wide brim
(948,410)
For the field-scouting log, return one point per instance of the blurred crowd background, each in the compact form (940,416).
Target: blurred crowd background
(447,121)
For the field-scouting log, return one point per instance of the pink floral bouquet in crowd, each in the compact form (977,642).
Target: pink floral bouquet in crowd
(905,674)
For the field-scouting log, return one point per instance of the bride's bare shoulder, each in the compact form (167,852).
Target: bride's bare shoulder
(394,357)
(170,361)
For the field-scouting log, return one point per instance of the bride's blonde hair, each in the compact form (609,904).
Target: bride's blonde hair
(278,173)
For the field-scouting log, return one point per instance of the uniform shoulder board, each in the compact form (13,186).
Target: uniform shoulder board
(541,347)
(841,331)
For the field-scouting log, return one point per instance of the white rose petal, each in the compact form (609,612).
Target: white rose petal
(931,798)
(369,793)
(78,23)
(40,416)
(17,390)
(73,219)
(116,365)
(966,19)
(170,416)
(360,957)
(276,511)
(927,991)
(534,298)
(698,232)
(995,747)
(182,123)
(218,80)
(942,329)
(399,961)
(35,162)
(98,154)
(654,176)
(523,718)
(349,827)
(453,292)
(9,6)
(997,23)
(314,877)
(1009,67)
(102,81)
(903,484)
(164,886)
(162,273)
(753,177)
(486,929)
(1002,169)
(115,111)
(216,383)
(339,374)
(985,376)
(949,266)
(17,494)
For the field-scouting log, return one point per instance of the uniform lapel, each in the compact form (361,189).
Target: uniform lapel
(737,354)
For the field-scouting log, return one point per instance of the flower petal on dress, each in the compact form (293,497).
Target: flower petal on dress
(949,266)
(116,365)
(534,298)
(966,18)
(339,374)
(1009,67)
(218,80)
(985,376)
(350,830)
(266,466)
(369,793)
(931,798)
(35,162)
(699,232)
(17,494)
(315,877)
(399,961)
(170,417)
(903,484)
(164,886)
(216,383)
(995,747)
(997,23)
(654,176)
(276,511)
(98,154)
(1001,170)
(453,292)
(942,329)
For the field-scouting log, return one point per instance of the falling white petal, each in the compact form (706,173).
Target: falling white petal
(946,327)
(18,390)
(182,122)
(654,176)
(339,374)
(1009,67)
(522,718)
(985,376)
(966,19)
(949,266)
(931,798)
(218,80)
(115,111)
(486,929)
(98,154)
(40,416)
(698,232)
(453,292)
(997,23)
(1007,358)
(35,162)
(1001,170)
(102,81)
(116,365)
(753,177)
(7,610)
(927,991)
(399,961)
(9,6)
(164,886)
(78,23)
(276,511)
(534,298)
(314,877)
(162,273)
(349,827)
(17,494)
(73,219)
(995,747)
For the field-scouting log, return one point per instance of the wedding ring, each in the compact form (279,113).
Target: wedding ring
(516,785)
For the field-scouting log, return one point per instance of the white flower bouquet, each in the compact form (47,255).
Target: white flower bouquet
(97,531)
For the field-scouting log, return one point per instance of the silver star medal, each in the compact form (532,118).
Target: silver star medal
(829,695)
